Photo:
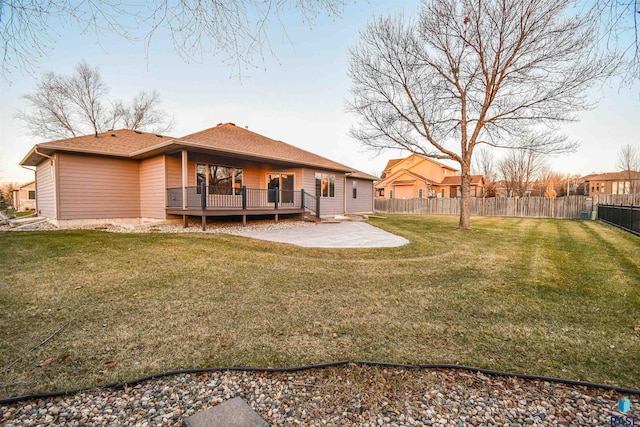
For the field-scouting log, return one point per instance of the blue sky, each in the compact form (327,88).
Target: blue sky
(297,97)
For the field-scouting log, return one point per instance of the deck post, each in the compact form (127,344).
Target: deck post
(204,222)
(244,198)
(203,195)
(276,198)
(318,206)
(184,178)
(244,220)
(302,199)
(184,221)
(276,218)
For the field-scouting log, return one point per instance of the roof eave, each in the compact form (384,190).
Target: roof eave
(240,154)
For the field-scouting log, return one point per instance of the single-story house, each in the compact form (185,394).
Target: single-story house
(420,177)
(131,177)
(23,198)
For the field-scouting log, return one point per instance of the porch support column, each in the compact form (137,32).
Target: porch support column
(184,179)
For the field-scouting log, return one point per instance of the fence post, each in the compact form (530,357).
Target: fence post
(302,199)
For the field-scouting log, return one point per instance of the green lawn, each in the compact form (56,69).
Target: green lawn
(535,296)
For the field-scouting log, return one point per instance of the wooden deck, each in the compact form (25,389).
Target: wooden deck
(207,202)
(217,212)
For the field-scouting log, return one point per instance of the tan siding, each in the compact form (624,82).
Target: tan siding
(45,189)
(96,187)
(329,206)
(174,172)
(152,190)
(364,200)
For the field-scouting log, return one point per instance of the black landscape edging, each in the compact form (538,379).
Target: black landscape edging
(118,385)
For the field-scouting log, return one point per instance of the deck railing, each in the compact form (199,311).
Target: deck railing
(242,198)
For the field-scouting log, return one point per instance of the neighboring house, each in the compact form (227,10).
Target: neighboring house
(24,197)
(130,177)
(611,183)
(420,177)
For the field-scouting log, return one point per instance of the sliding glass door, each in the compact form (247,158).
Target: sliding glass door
(281,183)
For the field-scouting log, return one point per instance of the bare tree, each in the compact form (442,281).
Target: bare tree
(619,31)
(501,73)
(518,169)
(143,112)
(548,179)
(628,161)
(238,29)
(69,106)
(484,165)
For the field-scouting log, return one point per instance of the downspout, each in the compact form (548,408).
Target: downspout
(35,180)
(55,187)
(344,198)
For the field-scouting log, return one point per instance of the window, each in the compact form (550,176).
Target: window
(391,194)
(325,184)
(32,195)
(420,193)
(219,179)
(602,187)
(380,192)
(355,190)
(621,187)
(201,176)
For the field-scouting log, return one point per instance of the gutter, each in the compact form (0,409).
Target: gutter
(35,150)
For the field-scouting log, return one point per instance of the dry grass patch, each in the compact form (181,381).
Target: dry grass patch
(535,296)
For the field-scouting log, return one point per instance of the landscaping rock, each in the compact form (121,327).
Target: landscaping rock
(348,395)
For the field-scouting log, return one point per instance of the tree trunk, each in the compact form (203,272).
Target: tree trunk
(465,198)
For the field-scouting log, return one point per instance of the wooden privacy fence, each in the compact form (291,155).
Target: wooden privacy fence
(560,207)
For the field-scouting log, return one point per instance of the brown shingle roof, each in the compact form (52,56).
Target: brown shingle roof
(391,163)
(611,176)
(224,138)
(457,180)
(120,143)
(229,138)
(364,175)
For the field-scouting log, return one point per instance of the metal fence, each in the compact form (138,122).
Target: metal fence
(625,217)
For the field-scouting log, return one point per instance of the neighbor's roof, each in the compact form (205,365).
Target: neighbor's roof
(611,176)
(118,143)
(393,162)
(224,139)
(457,180)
